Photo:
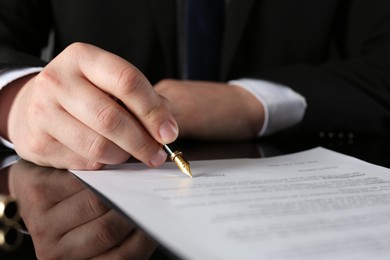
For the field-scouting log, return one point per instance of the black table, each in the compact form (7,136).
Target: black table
(374,150)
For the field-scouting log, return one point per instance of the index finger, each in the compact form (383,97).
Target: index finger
(124,81)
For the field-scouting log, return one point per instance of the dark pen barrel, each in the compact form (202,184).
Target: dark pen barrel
(170,148)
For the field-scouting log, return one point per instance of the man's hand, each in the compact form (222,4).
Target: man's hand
(213,110)
(68,116)
(68,221)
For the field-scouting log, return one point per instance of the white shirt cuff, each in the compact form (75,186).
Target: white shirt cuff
(9,75)
(6,143)
(9,160)
(283,107)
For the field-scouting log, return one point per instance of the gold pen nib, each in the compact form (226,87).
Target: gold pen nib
(183,165)
(177,157)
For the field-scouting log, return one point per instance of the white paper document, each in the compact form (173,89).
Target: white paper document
(316,204)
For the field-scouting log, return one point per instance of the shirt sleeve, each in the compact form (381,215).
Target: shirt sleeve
(6,77)
(9,75)
(283,107)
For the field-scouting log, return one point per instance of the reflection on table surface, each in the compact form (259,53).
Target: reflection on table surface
(57,208)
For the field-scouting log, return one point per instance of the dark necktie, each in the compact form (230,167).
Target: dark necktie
(203,31)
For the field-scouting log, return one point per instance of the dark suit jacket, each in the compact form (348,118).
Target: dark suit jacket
(336,53)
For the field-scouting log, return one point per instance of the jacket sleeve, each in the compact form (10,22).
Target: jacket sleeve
(24,30)
(350,92)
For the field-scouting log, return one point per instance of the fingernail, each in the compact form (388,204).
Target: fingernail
(168,132)
(159,158)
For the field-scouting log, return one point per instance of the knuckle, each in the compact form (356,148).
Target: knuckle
(34,150)
(36,110)
(34,131)
(37,147)
(38,194)
(143,148)
(98,147)
(106,234)
(81,163)
(108,119)
(76,52)
(76,47)
(93,165)
(156,109)
(47,80)
(95,205)
(165,102)
(129,80)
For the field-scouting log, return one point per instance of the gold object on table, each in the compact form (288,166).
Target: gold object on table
(8,209)
(10,235)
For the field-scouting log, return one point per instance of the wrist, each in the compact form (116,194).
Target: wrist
(7,97)
(254,111)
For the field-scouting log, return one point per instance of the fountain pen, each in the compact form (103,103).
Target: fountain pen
(176,156)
